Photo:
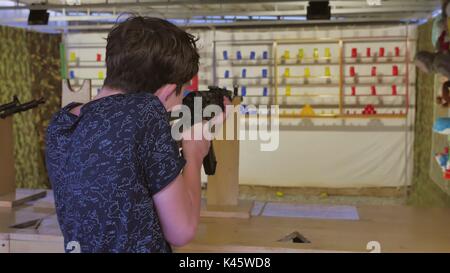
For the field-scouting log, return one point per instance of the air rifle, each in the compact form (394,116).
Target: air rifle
(213,96)
(9,105)
(15,106)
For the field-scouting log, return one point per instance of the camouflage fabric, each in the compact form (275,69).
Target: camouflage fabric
(29,68)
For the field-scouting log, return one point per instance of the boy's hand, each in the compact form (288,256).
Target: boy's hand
(197,140)
(195,145)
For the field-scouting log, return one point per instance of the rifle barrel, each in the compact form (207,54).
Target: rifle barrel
(22,107)
(10,105)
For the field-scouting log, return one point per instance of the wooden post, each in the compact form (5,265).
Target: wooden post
(7,171)
(9,197)
(223,187)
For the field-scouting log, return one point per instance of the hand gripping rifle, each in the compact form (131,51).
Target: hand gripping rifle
(213,96)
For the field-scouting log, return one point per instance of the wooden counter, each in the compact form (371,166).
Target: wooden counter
(397,229)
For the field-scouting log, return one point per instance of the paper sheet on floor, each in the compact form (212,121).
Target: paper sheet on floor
(310,211)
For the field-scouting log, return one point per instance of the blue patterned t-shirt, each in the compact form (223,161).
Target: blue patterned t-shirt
(105,165)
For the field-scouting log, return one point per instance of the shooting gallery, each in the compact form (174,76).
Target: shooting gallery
(339,140)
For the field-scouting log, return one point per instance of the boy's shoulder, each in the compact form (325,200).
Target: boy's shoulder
(149,100)
(148,111)
(63,115)
(147,104)
(140,106)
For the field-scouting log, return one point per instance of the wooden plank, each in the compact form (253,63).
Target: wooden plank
(223,187)
(4,246)
(7,170)
(19,246)
(396,228)
(242,210)
(316,191)
(18,198)
(204,248)
(416,230)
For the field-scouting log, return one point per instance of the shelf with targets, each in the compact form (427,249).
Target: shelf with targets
(248,64)
(307,78)
(85,62)
(376,77)
(319,78)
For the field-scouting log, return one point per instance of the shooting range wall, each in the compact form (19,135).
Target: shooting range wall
(328,153)
(30,68)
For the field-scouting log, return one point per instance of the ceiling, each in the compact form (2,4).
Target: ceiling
(97,14)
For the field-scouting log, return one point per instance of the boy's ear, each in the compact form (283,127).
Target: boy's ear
(164,92)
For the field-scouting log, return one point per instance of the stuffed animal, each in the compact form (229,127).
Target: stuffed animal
(444,99)
(439,60)
(442,159)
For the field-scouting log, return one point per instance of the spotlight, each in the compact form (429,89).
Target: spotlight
(318,10)
(38,17)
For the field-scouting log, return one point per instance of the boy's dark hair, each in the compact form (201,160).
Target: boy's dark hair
(145,53)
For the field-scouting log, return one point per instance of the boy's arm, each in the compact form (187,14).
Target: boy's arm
(178,204)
